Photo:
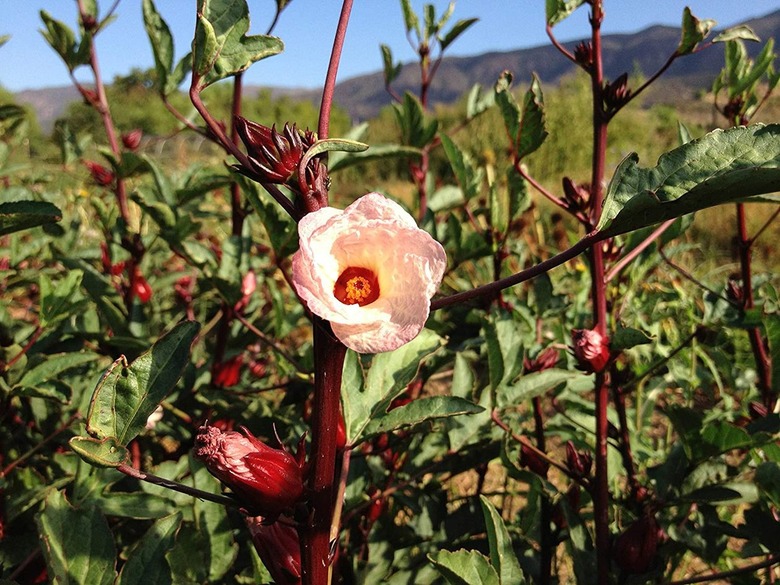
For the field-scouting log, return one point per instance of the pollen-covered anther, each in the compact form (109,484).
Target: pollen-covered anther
(357,286)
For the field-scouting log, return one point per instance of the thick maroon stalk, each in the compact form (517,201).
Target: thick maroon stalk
(323,126)
(315,537)
(760,353)
(547,547)
(601,487)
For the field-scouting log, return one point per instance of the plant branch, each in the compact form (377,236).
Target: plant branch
(493,287)
(636,251)
(693,279)
(329,354)
(333,67)
(547,194)
(564,51)
(724,575)
(177,487)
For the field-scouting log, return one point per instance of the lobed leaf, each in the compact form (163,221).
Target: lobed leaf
(694,31)
(22,215)
(558,10)
(720,167)
(77,543)
(502,555)
(221,47)
(465,567)
(419,411)
(146,563)
(127,394)
(368,395)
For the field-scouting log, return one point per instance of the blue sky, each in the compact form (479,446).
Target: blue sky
(307,29)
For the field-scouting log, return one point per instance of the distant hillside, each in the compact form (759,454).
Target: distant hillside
(364,96)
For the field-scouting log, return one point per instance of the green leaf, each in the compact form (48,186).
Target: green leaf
(465,567)
(390,69)
(532,131)
(338,162)
(558,10)
(54,365)
(772,326)
(62,39)
(4,39)
(504,346)
(419,411)
(23,215)
(212,518)
(720,167)
(694,31)
(534,385)
(146,563)
(365,396)
(416,130)
(628,337)
(478,102)
(56,298)
(332,145)
(106,452)
(162,43)
(458,29)
(410,18)
(221,48)
(526,129)
(469,177)
(768,479)
(77,543)
(127,394)
(502,555)
(741,31)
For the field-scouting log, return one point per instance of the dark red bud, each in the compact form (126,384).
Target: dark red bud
(757,409)
(140,288)
(377,507)
(100,174)
(341,433)
(228,373)
(578,462)
(635,548)
(591,350)
(132,139)
(266,480)
(583,54)
(533,461)
(545,360)
(274,156)
(184,288)
(279,548)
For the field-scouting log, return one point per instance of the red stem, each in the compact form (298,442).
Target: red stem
(329,354)
(601,487)
(757,344)
(492,288)
(333,68)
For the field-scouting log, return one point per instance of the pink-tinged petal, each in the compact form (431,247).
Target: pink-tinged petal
(374,236)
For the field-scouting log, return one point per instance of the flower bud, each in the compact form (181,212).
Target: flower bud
(100,174)
(635,548)
(576,197)
(274,156)
(228,373)
(279,548)
(184,288)
(132,139)
(616,94)
(531,459)
(140,288)
(578,462)
(544,360)
(266,480)
(583,54)
(591,349)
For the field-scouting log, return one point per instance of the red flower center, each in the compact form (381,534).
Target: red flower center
(357,286)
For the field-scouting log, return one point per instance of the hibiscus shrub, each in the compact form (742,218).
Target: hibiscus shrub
(237,374)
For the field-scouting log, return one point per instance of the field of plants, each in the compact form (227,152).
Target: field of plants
(533,337)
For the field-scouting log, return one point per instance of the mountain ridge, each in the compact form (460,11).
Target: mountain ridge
(363,96)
